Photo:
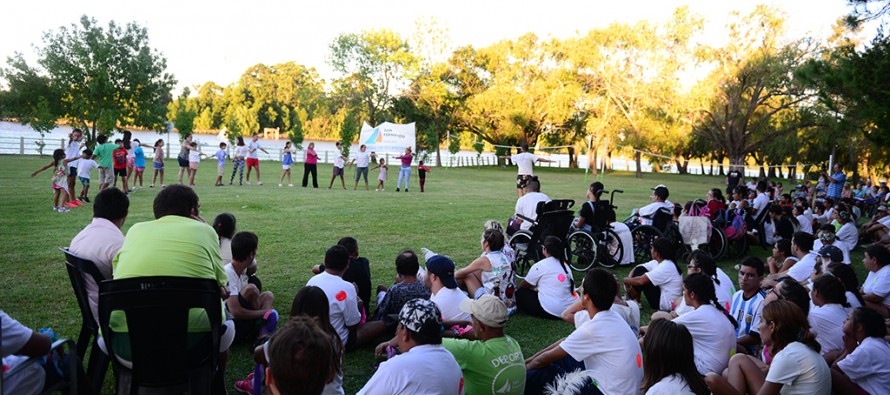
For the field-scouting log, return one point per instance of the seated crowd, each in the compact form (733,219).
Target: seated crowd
(798,322)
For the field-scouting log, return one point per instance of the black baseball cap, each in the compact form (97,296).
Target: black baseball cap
(443,268)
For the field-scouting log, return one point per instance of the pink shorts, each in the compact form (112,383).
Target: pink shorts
(193,165)
(139,169)
(131,161)
(253,162)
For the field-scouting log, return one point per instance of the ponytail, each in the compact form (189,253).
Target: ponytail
(703,288)
(706,263)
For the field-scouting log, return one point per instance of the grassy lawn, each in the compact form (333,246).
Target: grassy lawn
(295,228)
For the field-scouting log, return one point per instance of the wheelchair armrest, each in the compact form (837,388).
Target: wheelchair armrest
(524,218)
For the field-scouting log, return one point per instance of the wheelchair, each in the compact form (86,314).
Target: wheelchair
(553,219)
(645,235)
(601,245)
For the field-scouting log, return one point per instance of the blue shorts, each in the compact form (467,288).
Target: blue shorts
(158,165)
(84,180)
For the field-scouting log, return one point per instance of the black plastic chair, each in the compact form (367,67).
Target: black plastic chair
(164,355)
(78,268)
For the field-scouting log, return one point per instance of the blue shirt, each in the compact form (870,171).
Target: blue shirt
(288,159)
(221,157)
(138,157)
(835,188)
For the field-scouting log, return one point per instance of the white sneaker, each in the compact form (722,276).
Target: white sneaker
(290,185)
(427,254)
(279,185)
(259,183)
(247,183)
(63,210)
(376,189)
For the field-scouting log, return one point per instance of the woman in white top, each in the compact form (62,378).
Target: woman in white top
(796,368)
(782,258)
(670,364)
(712,328)
(224,225)
(828,311)
(863,365)
(876,288)
(847,276)
(491,273)
(73,151)
(548,288)
(806,225)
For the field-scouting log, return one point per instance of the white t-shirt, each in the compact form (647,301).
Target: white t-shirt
(760,203)
(225,250)
(15,336)
(848,234)
(713,338)
(525,162)
(236,281)
(885,221)
(725,290)
(73,151)
(803,268)
(827,323)
(878,283)
(646,212)
(426,369)
(851,299)
(817,245)
(630,314)
(448,300)
(665,276)
(670,385)
(605,346)
(551,278)
(362,159)
(242,151)
(85,167)
(253,148)
(627,242)
(338,161)
(527,205)
(746,312)
(868,365)
(800,370)
(194,156)
(805,224)
(342,299)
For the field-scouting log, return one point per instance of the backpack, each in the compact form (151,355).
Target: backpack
(737,226)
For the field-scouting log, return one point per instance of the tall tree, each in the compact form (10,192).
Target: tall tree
(98,78)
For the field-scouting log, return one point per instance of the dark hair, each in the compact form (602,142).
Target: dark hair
(879,253)
(741,190)
(524,147)
(336,258)
(407,263)
(495,239)
(240,140)
(795,293)
(111,204)
(302,356)
(158,142)
(754,262)
(831,290)
(350,243)
(71,136)
(703,288)
(88,152)
(127,136)
(761,186)
(533,184)
(718,195)
(596,188)
(600,286)
(118,141)
(872,323)
(58,156)
(101,139)
(224,225)
(554,247)
(175,200)
(847,276)
(665,248)
(223,144)
(243,244)
(668,350)
(706,263)
(775,209)
(791,325)
(784,246)
(803,240)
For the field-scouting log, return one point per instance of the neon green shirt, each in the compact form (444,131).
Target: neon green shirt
(170,246)
(103,152)
(495,366)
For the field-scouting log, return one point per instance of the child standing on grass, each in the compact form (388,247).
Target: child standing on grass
(238,162)
(85,168)
(421,173)
(138,162)
(120,165)
(382,178)
(158,163)
(194,160)
(221,156)
(60,179)
(286,161)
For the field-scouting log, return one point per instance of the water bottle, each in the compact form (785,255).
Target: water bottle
(497,288)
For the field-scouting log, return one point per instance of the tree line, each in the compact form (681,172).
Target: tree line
(758,98)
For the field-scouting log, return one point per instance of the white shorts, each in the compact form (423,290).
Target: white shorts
(285,167)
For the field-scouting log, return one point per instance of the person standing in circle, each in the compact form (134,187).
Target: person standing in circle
(405,170)
(525,163)
(339,162)
(361,162)
(73,151)
(253,160)
(183,157)
(238,161)
(310,166)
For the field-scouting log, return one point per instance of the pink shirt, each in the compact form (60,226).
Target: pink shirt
(98,242)
(311,157)
(406,159)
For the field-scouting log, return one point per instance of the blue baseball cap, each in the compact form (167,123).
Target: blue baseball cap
(443,268)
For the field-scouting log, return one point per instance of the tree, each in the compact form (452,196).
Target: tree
(98,78)
(376,61)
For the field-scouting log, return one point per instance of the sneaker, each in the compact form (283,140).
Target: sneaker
(397,189)
(55,208)
(63,210)
(245,386)
(162,186)
(86,199)
(71,204)
(140,187)
(259,183)
(248,183)
(151,186)
(290,185)
(376,189)
(279,185)
(406,189)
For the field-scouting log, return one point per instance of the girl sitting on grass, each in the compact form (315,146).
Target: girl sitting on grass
(59,180)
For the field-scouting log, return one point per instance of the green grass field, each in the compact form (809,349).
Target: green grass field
(296,226)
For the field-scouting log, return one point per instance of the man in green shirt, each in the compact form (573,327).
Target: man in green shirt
(494,364)
(103,155)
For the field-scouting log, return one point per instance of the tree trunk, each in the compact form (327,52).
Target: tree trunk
(682,167)
(639,165)
(607,161)
(573,159)
(702,163)
(792,173)
(592,157)
(438,150)
(772,171)
(781,174)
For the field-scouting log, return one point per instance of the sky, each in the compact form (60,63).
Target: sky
(217,40)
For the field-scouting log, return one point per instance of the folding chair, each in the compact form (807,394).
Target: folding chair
(78,268)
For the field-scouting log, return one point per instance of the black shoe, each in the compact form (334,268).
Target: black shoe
(397,189)
(86,199)
(406,189)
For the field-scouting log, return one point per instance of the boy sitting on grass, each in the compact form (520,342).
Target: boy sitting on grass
(248,305)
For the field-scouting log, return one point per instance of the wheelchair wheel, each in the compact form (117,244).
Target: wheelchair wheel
(643,237)
(611,250)
(737,248)
(717,245)
(521,242)
(582,251)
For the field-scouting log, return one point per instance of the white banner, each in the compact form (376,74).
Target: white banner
(388,137)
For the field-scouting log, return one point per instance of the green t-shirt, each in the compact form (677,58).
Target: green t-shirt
(170,246)
(495,366)
(103,152)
